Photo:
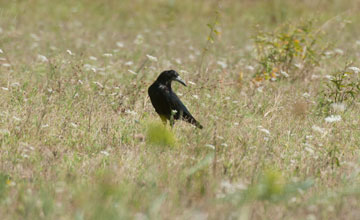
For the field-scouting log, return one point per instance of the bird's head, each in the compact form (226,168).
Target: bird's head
(168,76)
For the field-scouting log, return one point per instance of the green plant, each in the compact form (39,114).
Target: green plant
(343,87)
(273,187)
(158,134)
(213,32)
(290,49)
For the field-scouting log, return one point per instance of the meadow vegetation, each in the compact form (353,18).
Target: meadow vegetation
(275,83)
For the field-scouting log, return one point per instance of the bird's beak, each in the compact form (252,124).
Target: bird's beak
(178,78)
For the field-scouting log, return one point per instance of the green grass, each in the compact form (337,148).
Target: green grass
(79,138)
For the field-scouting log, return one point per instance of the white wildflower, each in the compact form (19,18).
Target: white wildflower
(210,146)
(355,69)
(224,145)
(69,52)
(15,84)
(184,72)
(191,57)
(196,96)
(139,39)
(104,153)
(339,51)
(99,84)
(338,107)
(250,68)
(318,129)
(178,60)
(266,131)
(93,58)
(42,58)
(5,88)
(130,112)
(220,137)
(87,66)
(132,72)
(222,63)
(107,55)
(333,118)
(191,82)
(298,65)
(306,95)
(101,69)
(232,187)
(129,63)
(73,125)
(357,42)
(314,76)
(329,53)
(285,74)
(16,118)
(120,44)
(6,65)
(329,77)
(309,137)
(1,51)
(208,95)
(45,126)
(227,98)
(152,58)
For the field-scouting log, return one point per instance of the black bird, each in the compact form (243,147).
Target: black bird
(165,101)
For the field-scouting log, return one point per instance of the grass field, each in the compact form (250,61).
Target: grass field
(79,138)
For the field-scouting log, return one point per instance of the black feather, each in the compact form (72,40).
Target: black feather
(166,102)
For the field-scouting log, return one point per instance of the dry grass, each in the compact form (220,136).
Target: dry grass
(74,121)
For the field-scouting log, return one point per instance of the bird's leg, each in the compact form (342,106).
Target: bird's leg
(163,119)
(172,120)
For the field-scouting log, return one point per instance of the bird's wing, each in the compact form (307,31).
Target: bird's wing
(182,111)
(165,100)
(159,99)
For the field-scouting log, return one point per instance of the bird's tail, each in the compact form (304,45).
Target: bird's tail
(198,125)
(194,122)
